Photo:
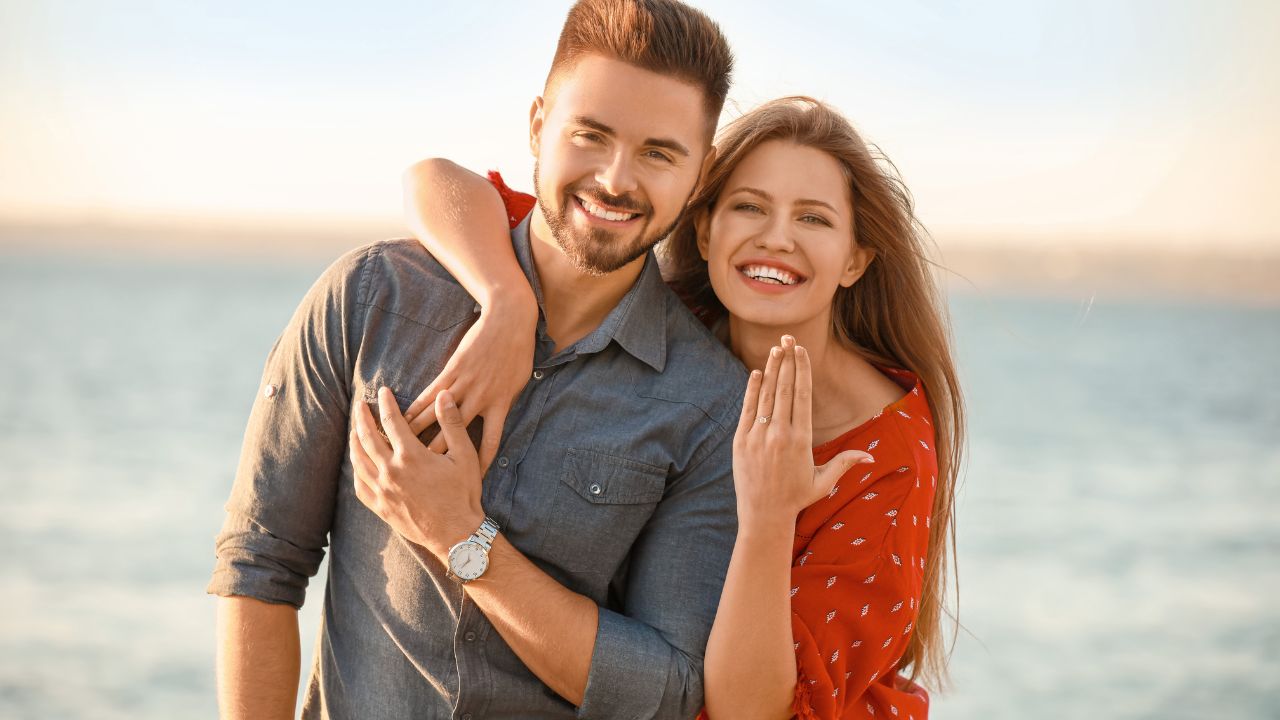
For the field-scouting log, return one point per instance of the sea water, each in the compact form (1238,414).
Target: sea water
(1118,516)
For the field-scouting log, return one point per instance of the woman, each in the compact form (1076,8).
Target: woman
(835,585)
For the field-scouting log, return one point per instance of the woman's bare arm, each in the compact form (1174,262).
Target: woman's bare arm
(460,218)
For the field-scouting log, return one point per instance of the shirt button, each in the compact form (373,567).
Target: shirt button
(503,462)
(469,637)
(595,489)
(537,374)
(269,391)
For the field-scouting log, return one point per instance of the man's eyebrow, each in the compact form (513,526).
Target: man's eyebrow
(665,143)
(769,198)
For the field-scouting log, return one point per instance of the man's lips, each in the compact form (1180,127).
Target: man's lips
(605,213)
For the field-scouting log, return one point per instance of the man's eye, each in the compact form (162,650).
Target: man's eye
(659,156)
(590,137)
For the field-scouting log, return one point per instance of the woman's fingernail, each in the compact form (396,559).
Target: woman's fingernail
(866,460)
(755,374)
(775,352)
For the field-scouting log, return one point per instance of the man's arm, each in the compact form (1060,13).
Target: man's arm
(645,663)
(258,659)
(281,506)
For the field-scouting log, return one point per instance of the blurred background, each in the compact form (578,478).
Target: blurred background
(1099,178)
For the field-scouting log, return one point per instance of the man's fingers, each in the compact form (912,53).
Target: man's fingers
(376,446)
(361,464)
(750,401)
(786,389)
(452,426)
(802,407)
(393,423)
(440,444)
(425,400)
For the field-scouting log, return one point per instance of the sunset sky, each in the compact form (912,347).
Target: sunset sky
(1147,120)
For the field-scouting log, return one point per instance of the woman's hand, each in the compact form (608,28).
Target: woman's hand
(773,470)
(485,374)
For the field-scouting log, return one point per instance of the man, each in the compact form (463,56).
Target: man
(584,576)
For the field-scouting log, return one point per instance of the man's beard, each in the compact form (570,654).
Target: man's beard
(598,251)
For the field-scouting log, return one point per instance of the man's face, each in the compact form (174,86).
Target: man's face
(619,151)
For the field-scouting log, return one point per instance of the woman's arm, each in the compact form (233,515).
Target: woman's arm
(461,219)
(750,665)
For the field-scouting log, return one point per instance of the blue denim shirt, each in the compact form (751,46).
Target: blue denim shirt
(613,477)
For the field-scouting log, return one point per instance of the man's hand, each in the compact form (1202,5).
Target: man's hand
(485,374)
(431,499)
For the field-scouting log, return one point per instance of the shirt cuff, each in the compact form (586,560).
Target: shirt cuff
(636,674)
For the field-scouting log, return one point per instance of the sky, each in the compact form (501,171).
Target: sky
(1136,121)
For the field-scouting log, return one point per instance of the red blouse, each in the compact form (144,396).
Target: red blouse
(858,560)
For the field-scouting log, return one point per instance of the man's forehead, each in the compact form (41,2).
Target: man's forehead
(630,101)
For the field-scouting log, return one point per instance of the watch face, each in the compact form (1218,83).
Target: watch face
(468,560)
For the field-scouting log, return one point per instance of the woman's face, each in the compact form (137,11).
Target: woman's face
(779,241)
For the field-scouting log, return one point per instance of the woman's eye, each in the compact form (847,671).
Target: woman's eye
(748,207)
(815,220)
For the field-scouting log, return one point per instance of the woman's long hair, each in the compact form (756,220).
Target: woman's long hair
(893,315)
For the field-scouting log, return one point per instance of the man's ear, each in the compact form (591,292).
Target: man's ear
(858,263)
(535,126)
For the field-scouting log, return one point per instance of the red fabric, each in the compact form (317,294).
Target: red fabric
(518,204)
(858,558)
(858,567)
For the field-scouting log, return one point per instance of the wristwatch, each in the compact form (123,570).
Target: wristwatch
(470,558)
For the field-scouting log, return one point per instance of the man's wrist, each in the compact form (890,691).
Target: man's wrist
(457,529)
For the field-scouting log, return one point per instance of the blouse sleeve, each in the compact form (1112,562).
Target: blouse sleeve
(856,587)
(518,204)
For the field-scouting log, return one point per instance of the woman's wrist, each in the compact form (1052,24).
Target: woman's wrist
(515,304)
(765,527)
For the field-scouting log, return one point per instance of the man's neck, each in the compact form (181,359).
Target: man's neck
(574,302)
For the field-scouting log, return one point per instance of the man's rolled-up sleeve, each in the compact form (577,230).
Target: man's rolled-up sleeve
(647,660)
(281,505)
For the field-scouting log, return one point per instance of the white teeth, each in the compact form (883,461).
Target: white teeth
(765,273)
(603,214)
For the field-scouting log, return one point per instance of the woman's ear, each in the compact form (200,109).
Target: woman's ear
(859,260)
(535,126)
(702,226)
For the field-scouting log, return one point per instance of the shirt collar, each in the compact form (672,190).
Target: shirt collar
(639,321)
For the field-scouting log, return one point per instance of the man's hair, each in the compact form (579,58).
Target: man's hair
(662,36)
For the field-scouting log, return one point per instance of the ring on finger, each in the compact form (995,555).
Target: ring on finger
(763,418)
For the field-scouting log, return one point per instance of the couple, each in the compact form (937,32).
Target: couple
(630,540)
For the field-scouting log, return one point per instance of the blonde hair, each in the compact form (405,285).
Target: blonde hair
(894,314)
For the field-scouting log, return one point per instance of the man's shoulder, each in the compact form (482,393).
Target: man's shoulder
(401,277)
(699,369)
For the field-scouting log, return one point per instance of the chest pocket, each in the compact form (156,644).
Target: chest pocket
(599,507)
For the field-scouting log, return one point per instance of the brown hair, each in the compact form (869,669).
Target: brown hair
(893,315)
(661,36)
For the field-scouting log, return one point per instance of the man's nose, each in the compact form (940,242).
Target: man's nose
(618,177)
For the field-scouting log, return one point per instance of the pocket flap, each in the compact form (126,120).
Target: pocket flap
(610,480)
